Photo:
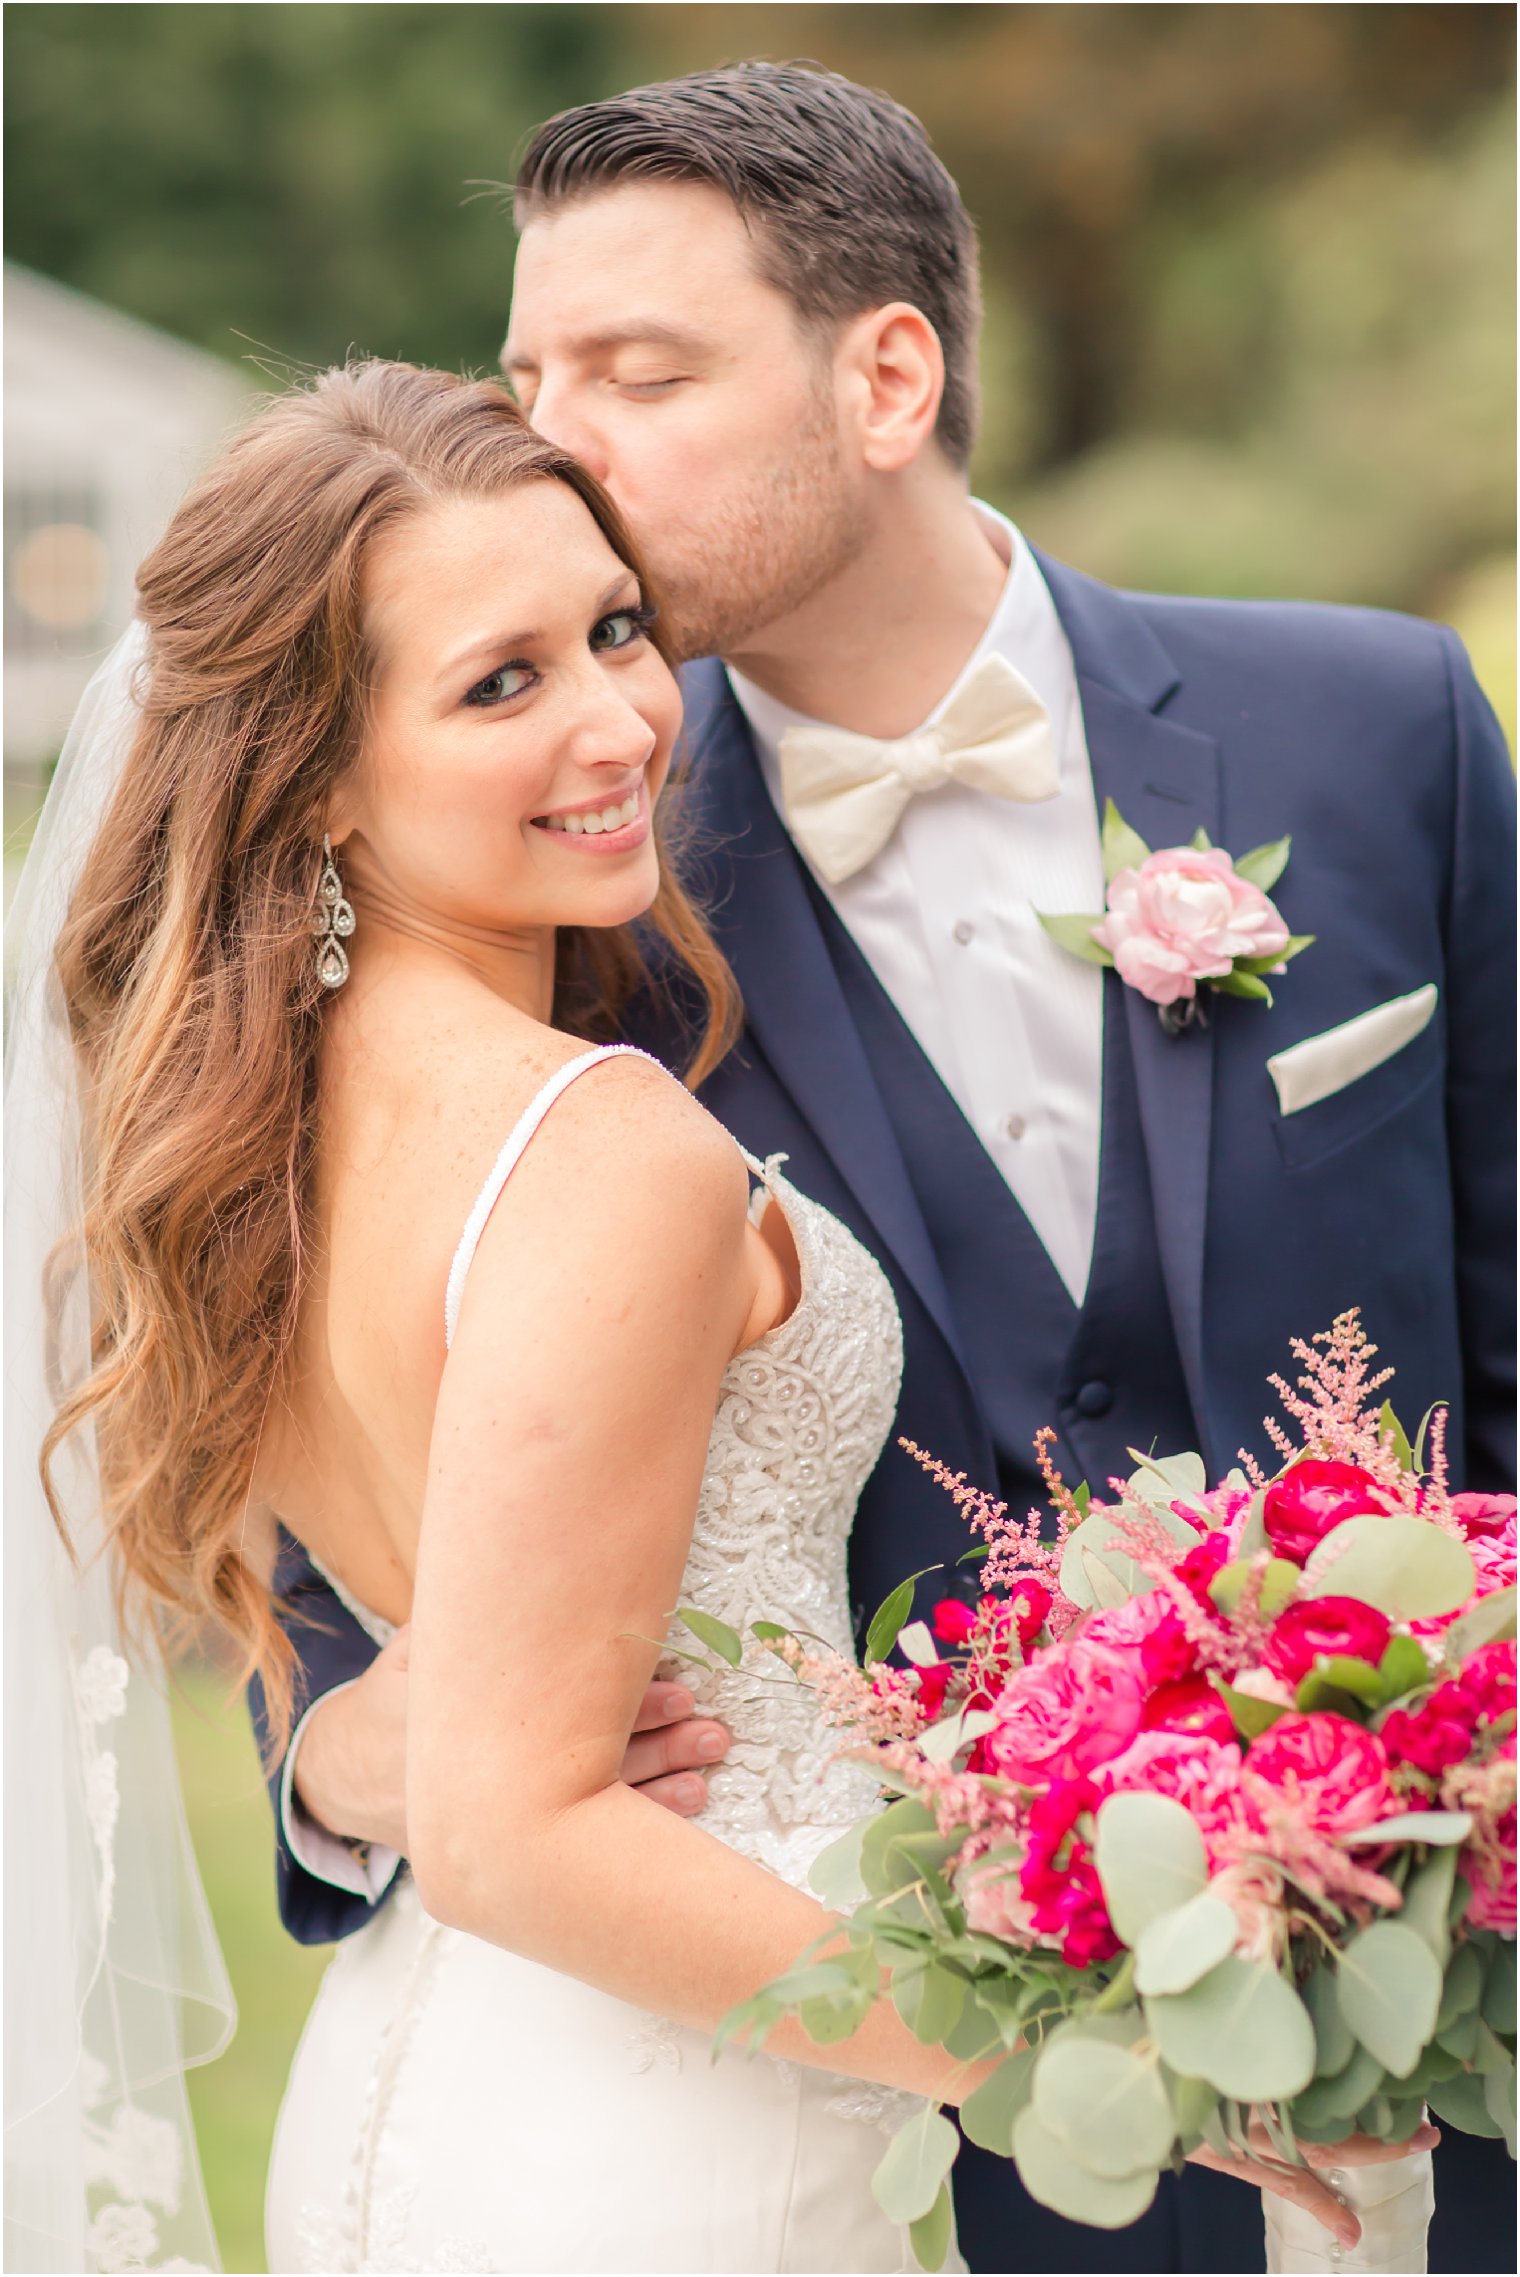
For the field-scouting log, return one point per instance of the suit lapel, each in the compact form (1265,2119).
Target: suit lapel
(769,929)
(1164,779)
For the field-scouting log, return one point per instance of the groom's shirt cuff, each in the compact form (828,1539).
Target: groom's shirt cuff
(364,1869)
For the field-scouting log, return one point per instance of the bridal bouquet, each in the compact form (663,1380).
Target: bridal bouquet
(1205,1812)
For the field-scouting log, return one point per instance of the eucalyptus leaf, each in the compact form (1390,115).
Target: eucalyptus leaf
(1334,2040)
(834,2016)
(929,2236)
(918,2158)
(1165,1479)
(1123,848)
(877,1869)
(1489,2052)
(1498,2006)
(1499,2096)
(1435,1827)
(1192,2100)
(1240,2027)
(1264,865)
(1407,2113)
(987,2115)
(1427,1900)
(1074,932)
(1407,1568)
(835,1873)
(1390,1993)
(1104,1587)
(1179,1947)
(715,1634)
(1279,1585)
(944,1739)
(1052,2176)
(1253,1534)
(1462,2102)
(1105,2104)
(1463,1989)
(1093,1543)
(1460,2037)
(1150,1859)
(1492,1618)
(915,1643)
(890,1615)
(1338,2099)
(929,2000)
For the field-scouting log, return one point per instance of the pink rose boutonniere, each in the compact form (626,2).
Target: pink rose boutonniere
(1180,916)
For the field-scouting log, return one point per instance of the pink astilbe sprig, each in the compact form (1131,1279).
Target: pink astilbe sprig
(1318,1864)
(1218,1642)
(873,1706)
(1334,1403)
(1017,1548)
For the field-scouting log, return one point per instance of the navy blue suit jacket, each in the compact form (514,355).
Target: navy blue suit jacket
(1365,736)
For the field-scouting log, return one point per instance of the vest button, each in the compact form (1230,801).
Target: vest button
(1095,1399)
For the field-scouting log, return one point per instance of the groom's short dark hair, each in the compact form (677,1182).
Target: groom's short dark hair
(850,207)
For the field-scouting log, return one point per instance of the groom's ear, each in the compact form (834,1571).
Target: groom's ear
(891,370)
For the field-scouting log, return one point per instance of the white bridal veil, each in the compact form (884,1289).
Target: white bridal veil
(114,1983)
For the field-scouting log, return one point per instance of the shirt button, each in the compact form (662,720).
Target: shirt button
(1014,1126)
(1095,1399)
(963,930)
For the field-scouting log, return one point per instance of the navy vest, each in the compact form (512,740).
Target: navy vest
(1107,1376)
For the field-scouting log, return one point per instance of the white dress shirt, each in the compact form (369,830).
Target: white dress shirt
(945,916)
(365,1869)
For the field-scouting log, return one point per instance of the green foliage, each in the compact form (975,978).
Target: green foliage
(1408,1568)
(1106,2105)
(888,1619)
(1150,1859)
(1051,2174)
(1389,1984)
(715,1634)
(1241,2028)
(918,2158)
(1123,848)
(1179,1947)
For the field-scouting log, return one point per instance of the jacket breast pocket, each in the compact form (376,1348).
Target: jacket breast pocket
(1364,1105)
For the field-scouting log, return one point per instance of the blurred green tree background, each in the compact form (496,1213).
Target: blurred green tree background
(1250,270)
(1250,330)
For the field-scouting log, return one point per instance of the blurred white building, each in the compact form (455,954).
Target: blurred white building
(106,420)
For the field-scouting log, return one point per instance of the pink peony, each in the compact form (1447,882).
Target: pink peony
(1311,1499)
(1485,1514)
(1185,916)
(1342,1627)
(1202,1774)
(1075,1707)
(1493,1884)
(995,1902)
(1334,1769)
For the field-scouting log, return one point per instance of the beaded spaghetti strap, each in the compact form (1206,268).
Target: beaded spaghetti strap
(506,1162)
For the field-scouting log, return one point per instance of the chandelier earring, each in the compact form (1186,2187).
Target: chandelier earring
(333,923)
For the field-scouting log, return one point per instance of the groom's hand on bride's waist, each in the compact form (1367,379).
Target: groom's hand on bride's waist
(350,1770)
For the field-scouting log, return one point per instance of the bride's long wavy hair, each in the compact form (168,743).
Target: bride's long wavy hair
(187,960)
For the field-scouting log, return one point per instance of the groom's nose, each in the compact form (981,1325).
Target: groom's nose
(561,417)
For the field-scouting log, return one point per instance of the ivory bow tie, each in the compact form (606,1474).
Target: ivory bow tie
(844,794)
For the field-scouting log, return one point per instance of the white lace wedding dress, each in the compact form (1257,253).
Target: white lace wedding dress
(455,2107)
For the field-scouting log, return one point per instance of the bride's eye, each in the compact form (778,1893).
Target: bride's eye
(500,686)
(622,628)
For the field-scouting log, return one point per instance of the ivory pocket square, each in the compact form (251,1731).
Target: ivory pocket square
(1322,1065)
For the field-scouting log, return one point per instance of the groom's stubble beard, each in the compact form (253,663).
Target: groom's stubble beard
(763,551)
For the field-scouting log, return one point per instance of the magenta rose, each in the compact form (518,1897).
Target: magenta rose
(1075,1707)
(1340,1626)
(1333,1769)
(1311,1499)
(1191,1705)
(1058,1879)
(1185,916)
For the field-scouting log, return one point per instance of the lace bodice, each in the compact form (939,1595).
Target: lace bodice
(802,1418)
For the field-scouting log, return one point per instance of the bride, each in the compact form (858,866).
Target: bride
(508,1332)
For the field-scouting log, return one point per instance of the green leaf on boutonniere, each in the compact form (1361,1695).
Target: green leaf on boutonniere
(1264,865)
(1074,932)
(1240,983)
(1290,948)
(1123,848)
(1201,842)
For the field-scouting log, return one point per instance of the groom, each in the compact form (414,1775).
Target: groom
(748,300)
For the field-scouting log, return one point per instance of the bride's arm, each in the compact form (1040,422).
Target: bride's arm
(612,1286)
